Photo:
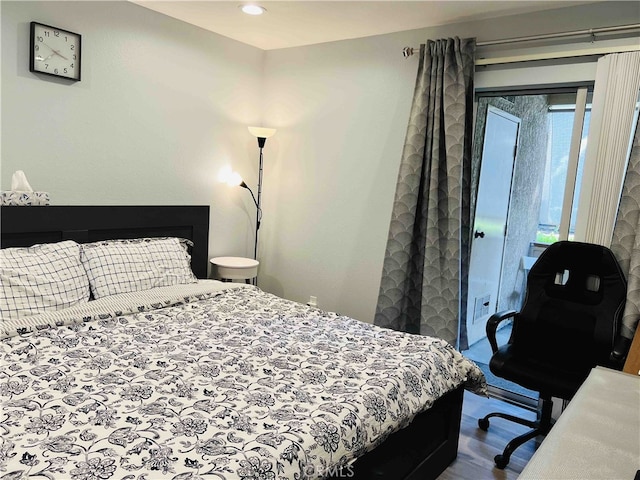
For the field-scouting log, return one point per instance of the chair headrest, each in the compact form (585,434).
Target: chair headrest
(576,271)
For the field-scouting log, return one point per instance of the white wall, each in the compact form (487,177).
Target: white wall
(161,108)
(341,109)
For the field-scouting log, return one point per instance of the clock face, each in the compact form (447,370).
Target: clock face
(55,51)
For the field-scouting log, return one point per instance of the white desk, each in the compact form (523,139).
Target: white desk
(597,436)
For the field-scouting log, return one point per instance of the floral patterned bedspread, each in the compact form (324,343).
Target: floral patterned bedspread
(237,384)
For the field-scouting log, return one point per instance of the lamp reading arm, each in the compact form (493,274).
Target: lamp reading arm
(244,185)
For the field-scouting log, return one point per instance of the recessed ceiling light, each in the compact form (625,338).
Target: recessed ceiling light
(253,9)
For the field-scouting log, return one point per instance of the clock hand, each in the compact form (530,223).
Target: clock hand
(55,52)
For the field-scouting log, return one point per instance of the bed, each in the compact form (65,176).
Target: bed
(204,379)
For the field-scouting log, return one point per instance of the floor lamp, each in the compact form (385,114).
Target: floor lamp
(261,134)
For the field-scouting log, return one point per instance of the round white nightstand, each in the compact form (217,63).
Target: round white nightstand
(235,268)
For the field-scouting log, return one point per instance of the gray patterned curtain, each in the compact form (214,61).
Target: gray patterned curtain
(425,270)
(626,238)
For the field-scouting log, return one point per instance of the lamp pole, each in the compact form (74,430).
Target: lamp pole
(261,134)
(261,142)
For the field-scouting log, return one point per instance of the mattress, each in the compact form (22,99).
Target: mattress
(209,380)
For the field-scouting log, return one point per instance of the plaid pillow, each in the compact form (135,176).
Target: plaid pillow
(121,266)
(41,278)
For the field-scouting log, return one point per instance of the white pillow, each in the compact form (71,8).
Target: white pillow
(41,278)
(121,266)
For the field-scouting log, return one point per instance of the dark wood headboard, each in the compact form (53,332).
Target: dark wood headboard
(26,226)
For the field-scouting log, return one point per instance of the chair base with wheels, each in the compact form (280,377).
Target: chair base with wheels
(540,426)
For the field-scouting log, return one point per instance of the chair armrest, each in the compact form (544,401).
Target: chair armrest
(492,326)
(619,353)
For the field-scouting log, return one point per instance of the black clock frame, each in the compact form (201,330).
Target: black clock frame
(32,58)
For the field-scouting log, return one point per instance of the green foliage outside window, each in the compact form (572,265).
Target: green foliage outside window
(547,237)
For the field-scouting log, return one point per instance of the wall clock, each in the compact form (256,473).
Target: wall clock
(55,51)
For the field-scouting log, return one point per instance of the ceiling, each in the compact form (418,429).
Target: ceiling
(296,23)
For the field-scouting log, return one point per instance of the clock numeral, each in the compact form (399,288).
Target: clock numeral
(73,47)
(47,34)
(72,66)
(37,47)
(40,39)
(73,56)
(55,70)
(46,65)
(65,70)
(56,33)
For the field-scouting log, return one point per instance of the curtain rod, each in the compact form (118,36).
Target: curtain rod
(586,52)
(409,51)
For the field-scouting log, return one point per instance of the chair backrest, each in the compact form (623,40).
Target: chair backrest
(573,307)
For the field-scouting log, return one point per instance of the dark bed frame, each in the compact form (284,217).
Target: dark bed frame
(420,451)
(26,226)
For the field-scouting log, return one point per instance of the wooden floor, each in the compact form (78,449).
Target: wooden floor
(477,448)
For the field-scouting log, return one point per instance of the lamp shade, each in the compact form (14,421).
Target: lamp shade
(260,132)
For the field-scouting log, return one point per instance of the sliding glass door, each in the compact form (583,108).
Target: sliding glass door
(536,151)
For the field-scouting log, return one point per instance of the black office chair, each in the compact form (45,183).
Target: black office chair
(569,323)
